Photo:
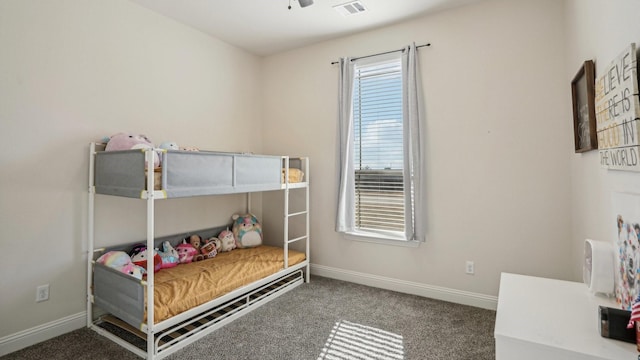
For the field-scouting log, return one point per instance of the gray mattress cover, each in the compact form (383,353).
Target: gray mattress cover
(187,173)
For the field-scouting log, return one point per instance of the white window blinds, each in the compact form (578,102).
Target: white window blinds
(378,147)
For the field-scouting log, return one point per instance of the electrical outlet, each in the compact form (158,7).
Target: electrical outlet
(42,293)
(470,269)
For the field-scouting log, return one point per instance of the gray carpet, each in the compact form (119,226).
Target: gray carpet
(299,325)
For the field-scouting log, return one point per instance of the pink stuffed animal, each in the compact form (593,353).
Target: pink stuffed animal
(122,141)
(121,261)
(186,252)
(133,270)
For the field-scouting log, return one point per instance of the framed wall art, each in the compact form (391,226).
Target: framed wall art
(584,111)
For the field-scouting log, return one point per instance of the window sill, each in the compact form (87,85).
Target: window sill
(380,239)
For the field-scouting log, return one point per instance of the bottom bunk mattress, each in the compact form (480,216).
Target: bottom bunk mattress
(186,286)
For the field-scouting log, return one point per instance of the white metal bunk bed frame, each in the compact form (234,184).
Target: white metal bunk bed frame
(240,301)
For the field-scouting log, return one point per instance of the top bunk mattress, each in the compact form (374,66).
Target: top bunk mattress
(188,173)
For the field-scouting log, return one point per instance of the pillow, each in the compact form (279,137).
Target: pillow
(247,231)
(295,175)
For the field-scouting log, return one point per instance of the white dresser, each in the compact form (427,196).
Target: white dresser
(540,318)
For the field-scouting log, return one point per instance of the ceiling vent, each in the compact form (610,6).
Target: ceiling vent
(350,8)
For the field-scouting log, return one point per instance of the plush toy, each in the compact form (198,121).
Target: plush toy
(195,240)
(227,240)
(122,141)
(247,231)
(139,257)
(168,255)
(204,248)
(186,252)
(134,270)
(169,145)
(209,249)
(216,242)
(121,261)
(114,259)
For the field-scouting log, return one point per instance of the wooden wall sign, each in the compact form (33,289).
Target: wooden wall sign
(618,113)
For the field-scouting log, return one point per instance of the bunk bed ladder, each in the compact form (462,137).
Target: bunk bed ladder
(304,164)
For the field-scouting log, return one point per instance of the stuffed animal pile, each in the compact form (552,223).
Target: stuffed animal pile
(246,232)
(128,141)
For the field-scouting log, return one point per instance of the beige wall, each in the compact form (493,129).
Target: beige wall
(600,31)
(505,189)
(498,135)
(74,71)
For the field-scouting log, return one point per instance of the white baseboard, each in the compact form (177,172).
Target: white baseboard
(40,333)
(408,287)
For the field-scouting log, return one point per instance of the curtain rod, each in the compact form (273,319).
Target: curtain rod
(382,53)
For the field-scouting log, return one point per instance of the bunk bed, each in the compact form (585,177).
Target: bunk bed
(142,314)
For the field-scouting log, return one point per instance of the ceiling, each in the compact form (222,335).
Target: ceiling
(265,27)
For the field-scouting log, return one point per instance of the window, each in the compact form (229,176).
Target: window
(378,147)
(381,180)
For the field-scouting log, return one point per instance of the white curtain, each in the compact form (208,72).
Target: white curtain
(415,210)
(345,218)
(413,149)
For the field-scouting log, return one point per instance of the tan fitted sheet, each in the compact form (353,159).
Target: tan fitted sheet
(188,285)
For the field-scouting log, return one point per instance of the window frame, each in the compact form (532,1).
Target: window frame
(374,235)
